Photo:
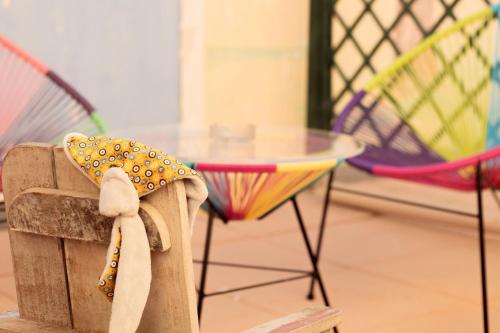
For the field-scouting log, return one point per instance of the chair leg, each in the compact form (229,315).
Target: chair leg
(204,263)
(493,189)
(482,252)
(324,214)
(315,272)
(495,196)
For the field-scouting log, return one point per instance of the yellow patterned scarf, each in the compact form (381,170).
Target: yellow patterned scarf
(147,168)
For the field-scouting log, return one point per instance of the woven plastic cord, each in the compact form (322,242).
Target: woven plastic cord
(435,113)
(36,104)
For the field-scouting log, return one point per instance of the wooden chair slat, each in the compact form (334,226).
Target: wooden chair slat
(39,265)
(75,215)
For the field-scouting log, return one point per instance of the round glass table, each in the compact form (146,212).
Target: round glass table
(250,170)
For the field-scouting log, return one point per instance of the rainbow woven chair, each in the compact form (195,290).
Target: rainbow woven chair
(433,117)
(36,104)
(251,172)
(250,192)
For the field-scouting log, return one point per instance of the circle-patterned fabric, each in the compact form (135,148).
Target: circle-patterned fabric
(147,168)
(107,281)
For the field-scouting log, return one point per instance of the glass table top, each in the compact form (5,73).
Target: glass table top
(245,145)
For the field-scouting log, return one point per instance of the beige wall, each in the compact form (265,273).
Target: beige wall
(245,61)
(252,61)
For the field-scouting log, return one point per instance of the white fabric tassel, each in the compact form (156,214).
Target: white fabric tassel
(119,199)
(134,276)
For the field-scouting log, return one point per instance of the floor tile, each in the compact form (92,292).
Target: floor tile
(387,267)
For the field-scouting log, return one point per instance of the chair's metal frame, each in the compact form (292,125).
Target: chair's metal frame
(3,217)
(478,215)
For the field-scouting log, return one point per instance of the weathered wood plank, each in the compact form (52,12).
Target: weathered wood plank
(68,177)
(38,261)
(26,166)
(39,271)
(171,306)
(11,323)
(312,320)
(75,215)
(84,261)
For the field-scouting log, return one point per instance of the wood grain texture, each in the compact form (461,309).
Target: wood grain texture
(171,306)
(26,166)
(40,278)
(68,177)
(311,320)
(11,323)
(75,215)
(38,261)
(84,261)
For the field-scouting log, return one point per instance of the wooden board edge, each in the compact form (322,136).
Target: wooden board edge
(11,323)
(154,218)
(310,320)
(159,223)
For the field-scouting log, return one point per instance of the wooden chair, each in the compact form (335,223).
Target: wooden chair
(59,242)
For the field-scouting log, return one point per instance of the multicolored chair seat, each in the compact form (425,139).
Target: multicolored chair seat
(251,171)
(249,192)
(36,105)
(434,114)
(433,117)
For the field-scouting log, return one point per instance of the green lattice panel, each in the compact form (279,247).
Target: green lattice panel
(367,36)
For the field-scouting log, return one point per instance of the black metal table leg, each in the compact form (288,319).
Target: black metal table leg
(482,252)
(310,252)
(204,263)
(326,204)
(316,273)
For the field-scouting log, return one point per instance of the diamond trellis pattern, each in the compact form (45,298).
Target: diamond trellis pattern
(390,34)
(433,115)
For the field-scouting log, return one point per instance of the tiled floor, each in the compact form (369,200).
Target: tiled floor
(389,268)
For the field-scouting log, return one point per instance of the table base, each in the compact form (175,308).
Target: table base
(314,274)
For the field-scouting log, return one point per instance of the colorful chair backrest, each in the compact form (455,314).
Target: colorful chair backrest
(440,101)
(36,105)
